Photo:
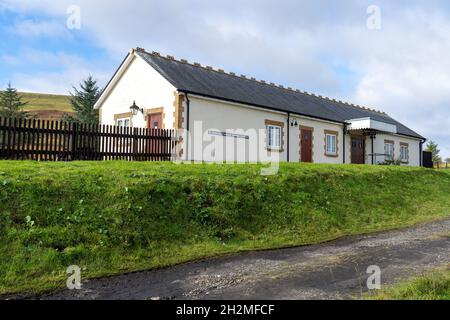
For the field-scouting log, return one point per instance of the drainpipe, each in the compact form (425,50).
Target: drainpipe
(421,152)
(288,134)
(188,111)
(372,137)
(344,131)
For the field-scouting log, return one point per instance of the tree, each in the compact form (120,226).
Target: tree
(433,148)
(12,104)
(83,101)
(447,160)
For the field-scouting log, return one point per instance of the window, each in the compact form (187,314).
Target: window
(123,120)
(274,137)
(124,123)
(389,150)
(331,145)
(404,152)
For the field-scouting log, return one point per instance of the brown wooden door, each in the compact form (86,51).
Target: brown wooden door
(358,151)
(306,145)
(154,121)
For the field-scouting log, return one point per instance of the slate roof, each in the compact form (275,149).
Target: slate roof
(206,81)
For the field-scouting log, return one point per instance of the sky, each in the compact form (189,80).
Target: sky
(393,56)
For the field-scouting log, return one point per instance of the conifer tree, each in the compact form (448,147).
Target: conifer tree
(12,104)
(83,101)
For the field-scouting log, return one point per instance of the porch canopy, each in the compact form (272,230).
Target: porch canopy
(370,127)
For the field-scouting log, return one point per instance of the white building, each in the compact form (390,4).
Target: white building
(236,118)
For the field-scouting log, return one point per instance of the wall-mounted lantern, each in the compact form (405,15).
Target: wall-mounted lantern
(294,123)
(135,109)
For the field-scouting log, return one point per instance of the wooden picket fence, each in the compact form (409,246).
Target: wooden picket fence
(22,139)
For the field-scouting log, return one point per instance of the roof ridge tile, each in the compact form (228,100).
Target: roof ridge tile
(271,84)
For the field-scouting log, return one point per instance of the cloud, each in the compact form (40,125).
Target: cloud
(320,46)
(406,72)
(10,60)
(34,29)
(61,71)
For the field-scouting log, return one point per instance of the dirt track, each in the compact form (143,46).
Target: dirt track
(334,270)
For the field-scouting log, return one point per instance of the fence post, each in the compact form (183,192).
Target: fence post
(135,141)
(74,140)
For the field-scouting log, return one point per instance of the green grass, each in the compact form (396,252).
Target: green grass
(114,217)
(431,286)
(52,102)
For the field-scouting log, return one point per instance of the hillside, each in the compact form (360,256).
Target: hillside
(114,217)
(47,106)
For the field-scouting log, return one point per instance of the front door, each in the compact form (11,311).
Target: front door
(358,151)
(154,145)
(306,136)
(155,121)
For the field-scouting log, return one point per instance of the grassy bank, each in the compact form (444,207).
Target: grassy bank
(431,286)
(112,217)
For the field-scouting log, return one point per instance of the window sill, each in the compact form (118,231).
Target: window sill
(331,155)
(274,149)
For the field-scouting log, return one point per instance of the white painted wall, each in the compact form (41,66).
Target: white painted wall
(207,115)
(318,140)
(140,83)
(378,144)
(414,147)
(221,116)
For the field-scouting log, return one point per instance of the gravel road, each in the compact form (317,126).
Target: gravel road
(333,270)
